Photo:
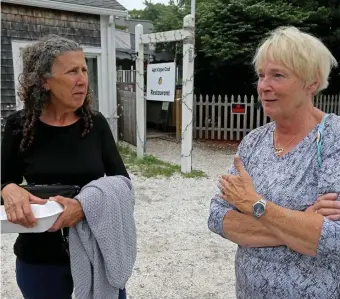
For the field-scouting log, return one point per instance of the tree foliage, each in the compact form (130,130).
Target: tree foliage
(231,33)
(228,31)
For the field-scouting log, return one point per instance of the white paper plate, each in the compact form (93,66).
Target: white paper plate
(45,214)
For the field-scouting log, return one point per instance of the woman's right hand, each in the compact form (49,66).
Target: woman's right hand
(328,206)
(17,205)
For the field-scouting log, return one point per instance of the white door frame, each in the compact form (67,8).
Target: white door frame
(91,52)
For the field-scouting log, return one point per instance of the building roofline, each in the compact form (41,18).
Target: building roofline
(70,7)
(143,20)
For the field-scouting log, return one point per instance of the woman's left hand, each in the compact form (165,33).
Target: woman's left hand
(72,214)
(239,189)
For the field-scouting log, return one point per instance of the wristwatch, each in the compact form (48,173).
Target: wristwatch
(259,208)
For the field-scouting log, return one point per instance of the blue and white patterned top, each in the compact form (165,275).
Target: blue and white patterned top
(293,181)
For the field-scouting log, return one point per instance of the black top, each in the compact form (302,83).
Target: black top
(58,155)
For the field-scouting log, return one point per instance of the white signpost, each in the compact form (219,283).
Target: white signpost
(161,82)
(188,37)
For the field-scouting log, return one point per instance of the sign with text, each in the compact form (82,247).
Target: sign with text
(161,82)
(237,108)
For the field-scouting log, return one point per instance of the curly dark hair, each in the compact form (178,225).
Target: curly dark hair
(38,60)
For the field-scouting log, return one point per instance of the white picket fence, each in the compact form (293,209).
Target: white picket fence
(213,118)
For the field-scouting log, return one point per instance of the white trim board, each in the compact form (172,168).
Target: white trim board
(70,7)
(17,45)
(109,99)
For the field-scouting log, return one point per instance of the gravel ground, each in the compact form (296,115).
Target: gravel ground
(178,257)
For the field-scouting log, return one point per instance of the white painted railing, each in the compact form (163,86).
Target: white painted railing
(126,76)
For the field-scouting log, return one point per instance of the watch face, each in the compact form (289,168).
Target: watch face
(258,209)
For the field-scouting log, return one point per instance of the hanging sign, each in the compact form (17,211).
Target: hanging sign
(161,82)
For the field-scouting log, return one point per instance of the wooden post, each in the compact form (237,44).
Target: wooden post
(178,105)
(187,93)
(140,100)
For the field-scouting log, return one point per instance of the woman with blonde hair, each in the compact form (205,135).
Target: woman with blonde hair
(280,200)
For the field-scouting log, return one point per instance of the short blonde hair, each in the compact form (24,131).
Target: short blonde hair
(303,53)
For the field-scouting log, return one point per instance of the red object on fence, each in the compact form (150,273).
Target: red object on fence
(238,108)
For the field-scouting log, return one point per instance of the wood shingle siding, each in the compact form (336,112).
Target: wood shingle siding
(27,23)
(110,4)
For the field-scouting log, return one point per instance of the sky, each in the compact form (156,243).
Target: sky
(138,4)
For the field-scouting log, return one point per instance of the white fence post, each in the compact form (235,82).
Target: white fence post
(187,94)
(140,100)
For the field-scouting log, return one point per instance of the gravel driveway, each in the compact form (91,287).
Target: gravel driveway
(178,257)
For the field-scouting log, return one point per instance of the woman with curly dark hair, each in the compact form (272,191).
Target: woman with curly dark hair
(55,139)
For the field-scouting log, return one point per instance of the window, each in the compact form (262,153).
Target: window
(92,64)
